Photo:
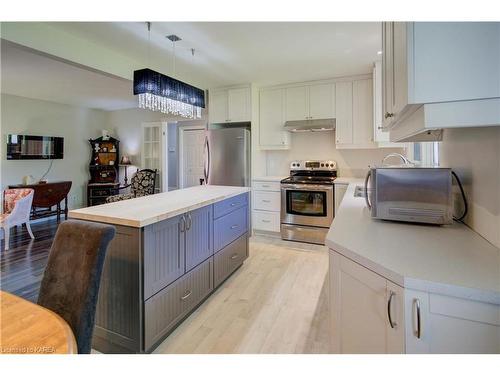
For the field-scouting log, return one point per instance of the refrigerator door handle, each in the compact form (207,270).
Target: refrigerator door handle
(206,167)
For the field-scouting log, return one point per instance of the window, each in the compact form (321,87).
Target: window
(424,153)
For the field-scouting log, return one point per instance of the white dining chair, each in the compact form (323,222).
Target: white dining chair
(16,211)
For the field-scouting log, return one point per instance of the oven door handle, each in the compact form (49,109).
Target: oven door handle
(305,187)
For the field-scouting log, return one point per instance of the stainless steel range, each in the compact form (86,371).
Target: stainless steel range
(307,201)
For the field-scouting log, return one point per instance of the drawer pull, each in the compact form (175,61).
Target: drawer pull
(389,308)
(266,221)
(265,186)
(233,204)
(234,226)
(235,256)
(266,201)
(186,296)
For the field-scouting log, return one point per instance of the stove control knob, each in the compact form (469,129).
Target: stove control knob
(322,164)
(331,165)
(298,164)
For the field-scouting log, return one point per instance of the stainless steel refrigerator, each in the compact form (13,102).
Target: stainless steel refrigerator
(227,157)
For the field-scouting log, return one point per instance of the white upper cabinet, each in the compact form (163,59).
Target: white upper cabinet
(297,103)
(238,105)
(218,107)
(322,101)
(230,105)
(354,114)
(380,136)
(438,75)
(310,102)
(343,108)
(272,135)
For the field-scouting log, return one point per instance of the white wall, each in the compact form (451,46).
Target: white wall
(126,125)
(37,117)
(474,154)
(321,146)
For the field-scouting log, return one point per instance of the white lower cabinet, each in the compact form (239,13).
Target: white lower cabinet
(266,205)
(362,304)
(450,324)
(370,314)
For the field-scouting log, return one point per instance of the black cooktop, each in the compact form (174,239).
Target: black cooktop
(311,177)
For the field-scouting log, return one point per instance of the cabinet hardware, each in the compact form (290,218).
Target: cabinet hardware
(388,114)
(235,256)
(182,224)
(266,221)
(233,204)
(186,296)
(416,307)
(190,221)
(380,128)
(265,186)
(389,308)
(266,201)
(234,226)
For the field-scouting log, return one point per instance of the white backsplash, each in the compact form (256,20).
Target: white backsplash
(321,146)
(474,154)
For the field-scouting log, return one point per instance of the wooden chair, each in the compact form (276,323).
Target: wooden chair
(143,183)
(70,284)
(16,211)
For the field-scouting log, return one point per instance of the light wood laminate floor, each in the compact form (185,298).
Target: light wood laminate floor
(277,302)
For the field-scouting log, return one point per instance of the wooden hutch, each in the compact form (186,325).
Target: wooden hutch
(103,167)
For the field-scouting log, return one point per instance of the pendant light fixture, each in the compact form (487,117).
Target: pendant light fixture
(161,93)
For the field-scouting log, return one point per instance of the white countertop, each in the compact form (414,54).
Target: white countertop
(451,260)
(139,212)
(269,178)
(348,180)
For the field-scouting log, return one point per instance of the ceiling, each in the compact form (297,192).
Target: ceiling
(225,53)
(31,75)
(240,52)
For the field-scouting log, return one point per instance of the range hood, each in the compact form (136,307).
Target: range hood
(310,125)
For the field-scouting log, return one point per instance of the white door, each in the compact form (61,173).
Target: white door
(238,105)
(271,131)
(153,152)
(343,108)
(297,107)
(322,101)
(193,141)
(218,107)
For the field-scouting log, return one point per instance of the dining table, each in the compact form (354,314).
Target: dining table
(28,328)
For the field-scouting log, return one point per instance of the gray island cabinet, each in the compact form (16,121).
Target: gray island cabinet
(156,275)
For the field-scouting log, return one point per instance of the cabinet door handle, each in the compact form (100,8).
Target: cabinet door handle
(235,256)
(233,204)
(234,226)
(182,224)
(189,222)
(389,308)
(388,114)
(266,221)
(266,201)
(186,296)
(416,308)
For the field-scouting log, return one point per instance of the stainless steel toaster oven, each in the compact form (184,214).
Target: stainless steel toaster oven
(412,194)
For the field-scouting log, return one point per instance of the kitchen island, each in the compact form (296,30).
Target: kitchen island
(170,252)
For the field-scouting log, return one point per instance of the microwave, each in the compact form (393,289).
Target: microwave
(410,194)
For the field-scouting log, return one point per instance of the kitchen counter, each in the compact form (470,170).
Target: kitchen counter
(349,180)
(143,211)
(451,260)
(269,178)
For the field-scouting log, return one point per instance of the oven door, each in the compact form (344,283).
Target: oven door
(306,204)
